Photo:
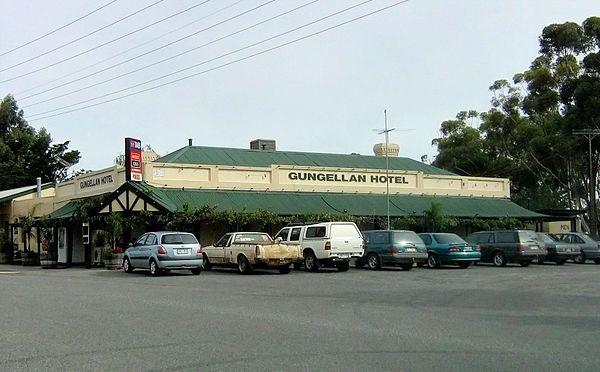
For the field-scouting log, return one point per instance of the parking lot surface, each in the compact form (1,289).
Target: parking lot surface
(539,318)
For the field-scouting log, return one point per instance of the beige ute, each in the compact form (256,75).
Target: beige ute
(250,250)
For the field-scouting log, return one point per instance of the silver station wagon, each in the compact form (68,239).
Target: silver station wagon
(163,251)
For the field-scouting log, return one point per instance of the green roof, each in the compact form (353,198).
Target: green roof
(66,211)
(298,203)
(266,158)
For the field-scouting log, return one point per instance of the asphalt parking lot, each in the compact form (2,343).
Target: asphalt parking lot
(482,318)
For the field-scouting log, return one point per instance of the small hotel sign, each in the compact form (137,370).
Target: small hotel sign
(96,181)
(346,178)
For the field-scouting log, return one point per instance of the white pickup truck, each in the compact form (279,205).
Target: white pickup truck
(328,244)
(249,250)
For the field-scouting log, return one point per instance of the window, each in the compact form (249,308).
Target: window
(252,238)
(485,238)
(406,236)
(315,232)
(426,239)
(177,239)
(151,240)
(448,238)
(505,237)
(283,234)
(381,238)
(223,241)
(141,240)
(295,235)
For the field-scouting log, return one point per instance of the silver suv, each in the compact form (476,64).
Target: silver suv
(162,251)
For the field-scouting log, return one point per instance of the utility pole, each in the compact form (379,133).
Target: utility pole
(590,134)
(387,131)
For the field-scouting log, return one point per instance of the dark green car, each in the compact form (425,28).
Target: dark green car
(448,248)
(503,246)
(392,248)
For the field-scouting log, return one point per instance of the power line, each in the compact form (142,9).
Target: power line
(163,60)
(108,42)
(127,50)
(81,37)
(57,29)
(207,70)
(195,65)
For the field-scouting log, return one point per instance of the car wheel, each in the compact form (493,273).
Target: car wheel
(310,262)
(154,269)
(499,260)
(580,258)
(342,266)
(206,265)
(374,261)
(243,265)
(464,265)
(433,262)
(524,263)
(560,262)
(196,271)
(406,266)
(127,265)
(284,270)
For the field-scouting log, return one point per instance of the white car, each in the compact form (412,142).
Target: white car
(328,244)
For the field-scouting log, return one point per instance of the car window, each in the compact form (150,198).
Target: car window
(426,239)
(283,234)
(527,236)
(346,230)
(367,238)
(178,239)
(545,238)
(485,238)
(448,238)
(315,232)
(577,239)
(406,236)
(151,240)
(381,238)
(223,241)
(295,235)
(252,238)
(141,239)
(505,237)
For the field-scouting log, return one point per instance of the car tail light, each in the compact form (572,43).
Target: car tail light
(520,248)
(328,246)
(161,250)
(454,249)
(257,250)
(478,248)
(200,250)
(393,250)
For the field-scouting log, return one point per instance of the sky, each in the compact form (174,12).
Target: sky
(263,69)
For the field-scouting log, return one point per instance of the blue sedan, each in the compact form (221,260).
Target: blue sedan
(447,248)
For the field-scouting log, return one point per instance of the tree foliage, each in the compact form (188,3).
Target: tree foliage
(527,134)
(27,153)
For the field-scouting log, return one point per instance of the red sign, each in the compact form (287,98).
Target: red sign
(133,159)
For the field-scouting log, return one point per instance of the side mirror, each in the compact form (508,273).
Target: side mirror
(130,245)
(278,240)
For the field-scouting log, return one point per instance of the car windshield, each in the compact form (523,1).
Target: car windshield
(178,239)
(448,238)
(545,238)
(252,238)
(594,237)
(406,236)
(527,236)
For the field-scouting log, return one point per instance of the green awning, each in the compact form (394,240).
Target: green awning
(298,203)
(66,211)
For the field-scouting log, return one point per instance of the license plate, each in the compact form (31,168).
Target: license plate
(534,247)
(468,249)
(182,251)
(344,256)
(410,250)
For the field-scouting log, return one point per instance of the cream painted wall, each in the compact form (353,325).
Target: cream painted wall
(320,179)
